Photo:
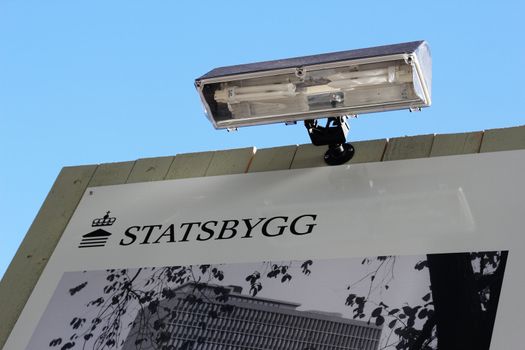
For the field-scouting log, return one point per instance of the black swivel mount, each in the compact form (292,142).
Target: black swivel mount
(332,134)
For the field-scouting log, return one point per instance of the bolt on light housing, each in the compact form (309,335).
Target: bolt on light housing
(330,85)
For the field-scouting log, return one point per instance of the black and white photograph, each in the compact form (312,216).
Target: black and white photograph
(423,302)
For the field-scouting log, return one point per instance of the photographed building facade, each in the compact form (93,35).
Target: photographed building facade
(204,317)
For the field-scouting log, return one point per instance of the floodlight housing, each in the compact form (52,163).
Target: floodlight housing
(336,84)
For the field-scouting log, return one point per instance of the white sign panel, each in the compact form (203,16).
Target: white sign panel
(415,254)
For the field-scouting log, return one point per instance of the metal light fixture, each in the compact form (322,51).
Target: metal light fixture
(333,86)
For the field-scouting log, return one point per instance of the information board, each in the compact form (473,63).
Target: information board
(412,254)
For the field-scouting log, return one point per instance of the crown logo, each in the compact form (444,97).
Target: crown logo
(104,221)
(99,237)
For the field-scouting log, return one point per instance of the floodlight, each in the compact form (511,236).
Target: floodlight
(332,86)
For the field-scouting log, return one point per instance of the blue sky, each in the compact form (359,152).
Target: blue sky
(84,82)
